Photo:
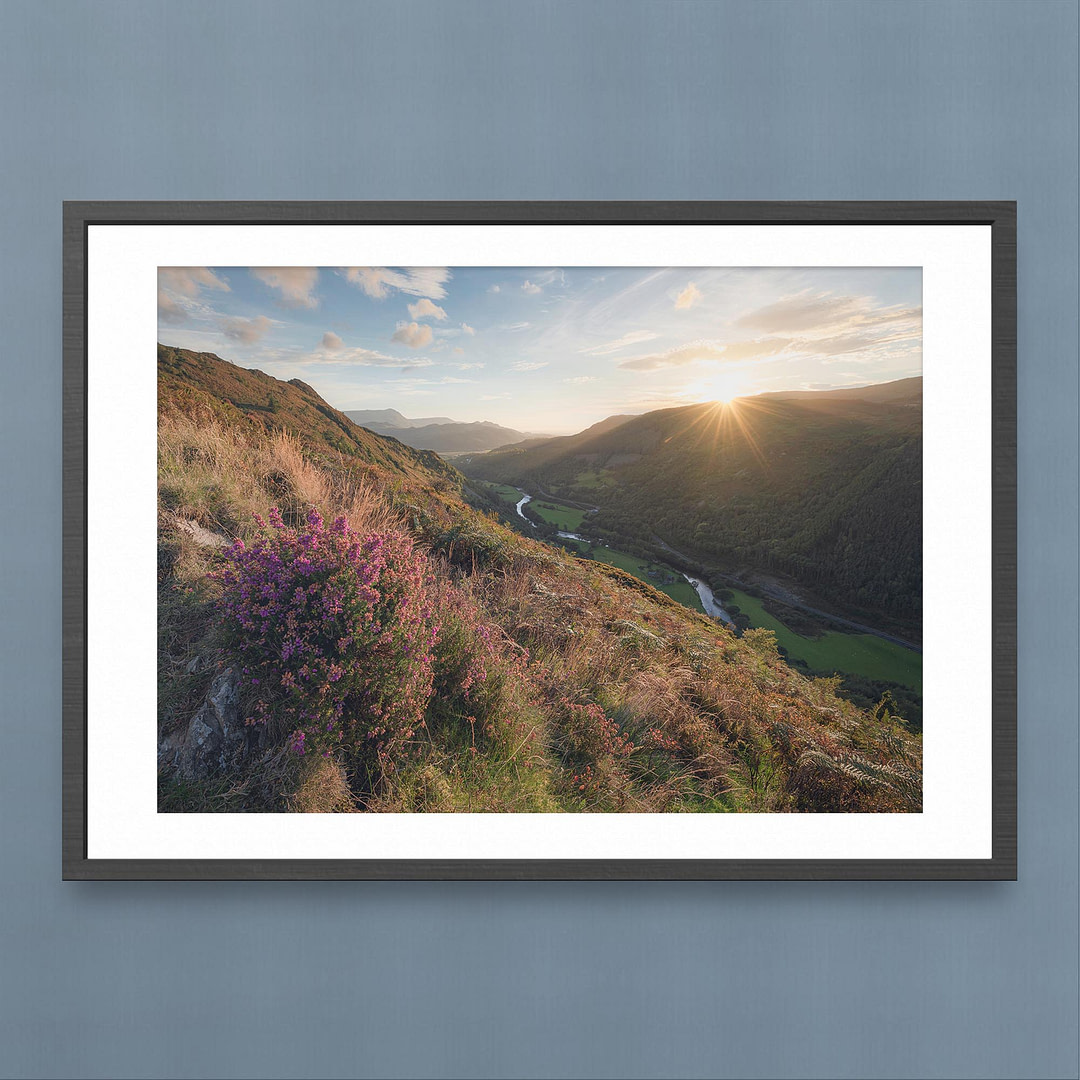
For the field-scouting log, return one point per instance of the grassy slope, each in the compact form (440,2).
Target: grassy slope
(716,723)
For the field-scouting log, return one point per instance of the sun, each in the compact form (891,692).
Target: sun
(722,387)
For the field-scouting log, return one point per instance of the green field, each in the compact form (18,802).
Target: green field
(562,517)
(590,478)
(505,492)
(858,654)
(679,590)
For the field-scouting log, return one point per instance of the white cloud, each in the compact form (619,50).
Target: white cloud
(514,327)
(633,337)
(579,379)
(380,281)
(695,351)
(474,366)
(688,297)
(425,309)
(528,287)
(246,331)
(360,357)
(467,329)
(549,277)
(458,350)
(295,283)
(188,280)
(177,284)
(806,310)
(493,397)
(495,289)
(529,365)
(412,334)
(331,341)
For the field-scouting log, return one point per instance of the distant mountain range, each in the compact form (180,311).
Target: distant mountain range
(439,433)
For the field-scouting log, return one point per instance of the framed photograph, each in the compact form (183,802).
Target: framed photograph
(539,540)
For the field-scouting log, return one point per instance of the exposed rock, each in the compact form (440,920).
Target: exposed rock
(201,535)
(215,736)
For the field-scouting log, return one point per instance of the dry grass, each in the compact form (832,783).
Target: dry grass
(322,788)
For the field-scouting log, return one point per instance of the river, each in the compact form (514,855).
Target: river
(524,499)
(708,601)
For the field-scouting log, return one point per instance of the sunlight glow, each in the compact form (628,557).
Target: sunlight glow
(720,386)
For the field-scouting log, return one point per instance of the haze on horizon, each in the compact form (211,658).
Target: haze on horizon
(550,349)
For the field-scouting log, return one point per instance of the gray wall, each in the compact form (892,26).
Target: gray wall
(596,100)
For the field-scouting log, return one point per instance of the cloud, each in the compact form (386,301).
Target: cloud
(380,281)
(425,309)
(688,297)
(695,351)
(495,289)
(412,334)
(832,326)
(474,366)
(753,350)
(549,277)
(179,283)
(458,350)
(360,357)
(806,310)
(295,283)
(331,341)
(246,331)
(633,337)
(493,397)
(188,280)
(582,379)
(529,365)
(467,329)
(514,327)
(528,287)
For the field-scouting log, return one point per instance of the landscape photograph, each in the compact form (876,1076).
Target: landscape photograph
(508,539)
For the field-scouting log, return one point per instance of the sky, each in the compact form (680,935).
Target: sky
(549,349)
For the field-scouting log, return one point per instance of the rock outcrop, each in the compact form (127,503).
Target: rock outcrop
(214,737)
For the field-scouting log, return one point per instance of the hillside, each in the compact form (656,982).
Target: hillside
(416,655)
(823,488)
(204,385)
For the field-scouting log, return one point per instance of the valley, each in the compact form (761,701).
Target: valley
(608,492)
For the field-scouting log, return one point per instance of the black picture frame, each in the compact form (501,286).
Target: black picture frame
(999,215)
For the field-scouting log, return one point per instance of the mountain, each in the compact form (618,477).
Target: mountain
(547,448)
(433,659)
(899,392)
(391,418)
(202,384)
(438,433)
(823,487)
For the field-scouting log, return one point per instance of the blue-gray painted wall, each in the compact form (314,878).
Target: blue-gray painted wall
(591,100)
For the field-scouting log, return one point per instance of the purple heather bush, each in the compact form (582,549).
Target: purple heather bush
(334,635)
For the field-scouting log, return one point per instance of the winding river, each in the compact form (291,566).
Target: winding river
(708,601)
(524,499)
